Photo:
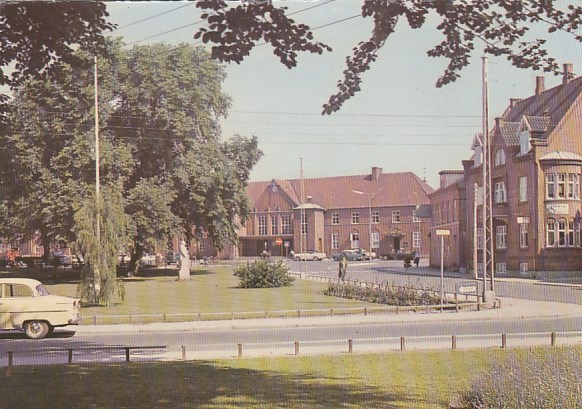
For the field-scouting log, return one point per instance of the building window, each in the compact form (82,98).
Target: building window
(478,151)
(576,233)
(573,186)
(376,216)
(395,216)
(335,240)
(501,237)
(500,194)
(561,186)
(335,218)
(355,218)
(523,235)
(550,186)
(304,223)
(416,239)
(501,267)
(375,240)
(499,157)
(355,240)
(263,225)
(415,217)
(523,189)
(286,224)
(202,246)
(561,232)
(480,242)
(275,225)
(571,233)
(550,232)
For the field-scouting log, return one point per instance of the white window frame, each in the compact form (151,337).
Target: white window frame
(375,240)
(561,186)
(550,232)
(335,241)
(480,239)
(501,237)
(550,186)
(501,267)
(202,245)
(499,157)
(562,232)
(500,193)
(416,239)
(286,225)
(274,224)
(376,216)
(355,217)
(524,142)
(263,228)
(415,217)
(304,224)
(335,218)
(396,216)
(355,240)
(523,235)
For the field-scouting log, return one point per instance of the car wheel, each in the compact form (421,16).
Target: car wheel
(297,258)
(36,329)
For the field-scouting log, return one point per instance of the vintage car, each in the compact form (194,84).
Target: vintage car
(26,305)
(353,255)
(309,256)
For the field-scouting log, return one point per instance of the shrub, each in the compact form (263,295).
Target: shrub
(262,274)
(546,378)
(401,295)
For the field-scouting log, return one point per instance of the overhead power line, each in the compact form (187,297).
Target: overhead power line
(153,16)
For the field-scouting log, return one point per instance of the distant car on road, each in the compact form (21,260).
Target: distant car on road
(353,255)
(310,255)
(26,305)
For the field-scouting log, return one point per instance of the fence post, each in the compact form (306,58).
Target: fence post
(456,303)
(350,346)
(183,353)
(126,354)
(365,311)
(296,347)
(402,343)
(240,351)
(298,313)
(454,342)
(553,339)
(503,340)
(94,320)
(70,356)
(10,357)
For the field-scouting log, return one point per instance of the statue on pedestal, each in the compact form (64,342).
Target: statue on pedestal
(184,273)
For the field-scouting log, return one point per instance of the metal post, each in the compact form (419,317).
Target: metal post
(350,346)
(240,350)
(296,347)
(442,272)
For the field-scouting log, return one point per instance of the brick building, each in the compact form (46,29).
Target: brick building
(536,154)
(377,211)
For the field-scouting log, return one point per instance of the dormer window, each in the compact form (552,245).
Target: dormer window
(524,142)
(499,157)
(478,156)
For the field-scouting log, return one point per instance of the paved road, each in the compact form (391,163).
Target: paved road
(378,271)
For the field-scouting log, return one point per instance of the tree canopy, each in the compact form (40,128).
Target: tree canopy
(37,35)
(501,26)
(165,170)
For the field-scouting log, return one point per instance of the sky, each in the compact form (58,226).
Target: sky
(399,122)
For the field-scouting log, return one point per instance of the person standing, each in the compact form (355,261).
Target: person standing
(416,258)
(343,267)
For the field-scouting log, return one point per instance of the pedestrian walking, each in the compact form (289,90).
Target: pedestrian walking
(416,258)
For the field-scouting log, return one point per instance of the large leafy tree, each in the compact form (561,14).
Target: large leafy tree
(37,35)
(501,26)
(163,162)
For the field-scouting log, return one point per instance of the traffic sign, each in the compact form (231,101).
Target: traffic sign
(467,287)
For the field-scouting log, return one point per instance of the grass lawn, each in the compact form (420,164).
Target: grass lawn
(210,290)
(418,380)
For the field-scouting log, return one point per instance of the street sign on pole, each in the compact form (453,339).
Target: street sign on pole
(443,232)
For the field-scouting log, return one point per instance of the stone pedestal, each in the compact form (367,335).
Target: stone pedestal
(184,273)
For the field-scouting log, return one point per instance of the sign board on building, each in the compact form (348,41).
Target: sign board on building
(558,208)
(443,232)
(522,220)
(467,287)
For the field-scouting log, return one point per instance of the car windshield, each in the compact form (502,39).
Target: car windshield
(42,291)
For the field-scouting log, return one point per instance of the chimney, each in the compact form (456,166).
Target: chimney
(568,73)
(499,121)
(376,173)
(540,86)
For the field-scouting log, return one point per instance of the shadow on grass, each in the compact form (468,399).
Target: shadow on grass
(185,385)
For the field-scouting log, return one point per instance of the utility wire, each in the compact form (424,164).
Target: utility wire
(153,16)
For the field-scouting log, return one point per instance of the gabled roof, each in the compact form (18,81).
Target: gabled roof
(390,189)
(537,123)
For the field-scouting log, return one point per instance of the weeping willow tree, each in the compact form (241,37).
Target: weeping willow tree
(100,244)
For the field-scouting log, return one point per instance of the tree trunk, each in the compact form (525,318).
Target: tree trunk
(136,255)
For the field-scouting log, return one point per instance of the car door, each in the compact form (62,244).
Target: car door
(4,308)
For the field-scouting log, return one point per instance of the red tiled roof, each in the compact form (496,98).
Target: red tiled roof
(391,189)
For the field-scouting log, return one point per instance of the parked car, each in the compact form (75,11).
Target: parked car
(353,255)
(148,260)
(310,255)
(26,305)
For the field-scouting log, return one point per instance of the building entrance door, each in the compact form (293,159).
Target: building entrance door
(396,244)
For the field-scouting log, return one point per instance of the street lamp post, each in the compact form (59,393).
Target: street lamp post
(370,197)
